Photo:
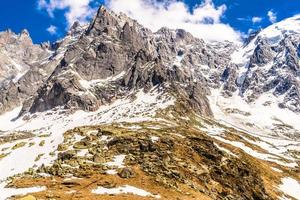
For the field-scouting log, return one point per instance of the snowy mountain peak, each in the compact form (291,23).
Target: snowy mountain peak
(24,32)
(266,72)
(280,30)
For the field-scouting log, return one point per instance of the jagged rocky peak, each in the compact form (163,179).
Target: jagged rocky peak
(8,37)
(46,45)
(19,74)
(77,29)
(24,35)
(107,21)
(17,54)
(251,36)
(29,67)
(115,55)
(269,64)
(124,57)
(102,20)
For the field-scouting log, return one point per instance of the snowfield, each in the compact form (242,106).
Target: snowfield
(260,121)
(259,118)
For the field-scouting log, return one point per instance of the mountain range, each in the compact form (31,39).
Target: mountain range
(115,111)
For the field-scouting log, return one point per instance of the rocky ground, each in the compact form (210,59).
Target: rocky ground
(179,162)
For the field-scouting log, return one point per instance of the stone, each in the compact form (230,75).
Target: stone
(62,147)
(19,145)
(127,173)
(81,145)
(67,155)
(98,158)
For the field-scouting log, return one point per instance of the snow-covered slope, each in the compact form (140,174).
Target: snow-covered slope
(261,88)
(278,31)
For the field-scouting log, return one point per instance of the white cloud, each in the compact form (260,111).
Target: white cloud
(52,30)
(272,16)
(204,21)
(76,10)
(256,20)
(242,19)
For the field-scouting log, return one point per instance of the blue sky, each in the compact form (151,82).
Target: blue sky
(238,14)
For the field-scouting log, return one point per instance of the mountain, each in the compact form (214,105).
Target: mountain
(18,54)
(115,111)
(263,81)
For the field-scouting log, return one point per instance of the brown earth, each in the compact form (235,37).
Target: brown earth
(183,163)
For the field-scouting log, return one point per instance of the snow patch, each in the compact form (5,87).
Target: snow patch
(8,192)
(98,82)
(154,138)
(290,187)
(111,171)
(276,169)
(212,130)
(118,161)
(126,189)
(224,149)
(7,119)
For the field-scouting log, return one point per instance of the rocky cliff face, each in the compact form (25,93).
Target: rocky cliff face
(269,63)
(18,54)
(29,66)
(129,57)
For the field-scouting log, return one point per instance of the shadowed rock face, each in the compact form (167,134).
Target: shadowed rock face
(262,55)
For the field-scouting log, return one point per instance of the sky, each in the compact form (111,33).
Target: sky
(49,20)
